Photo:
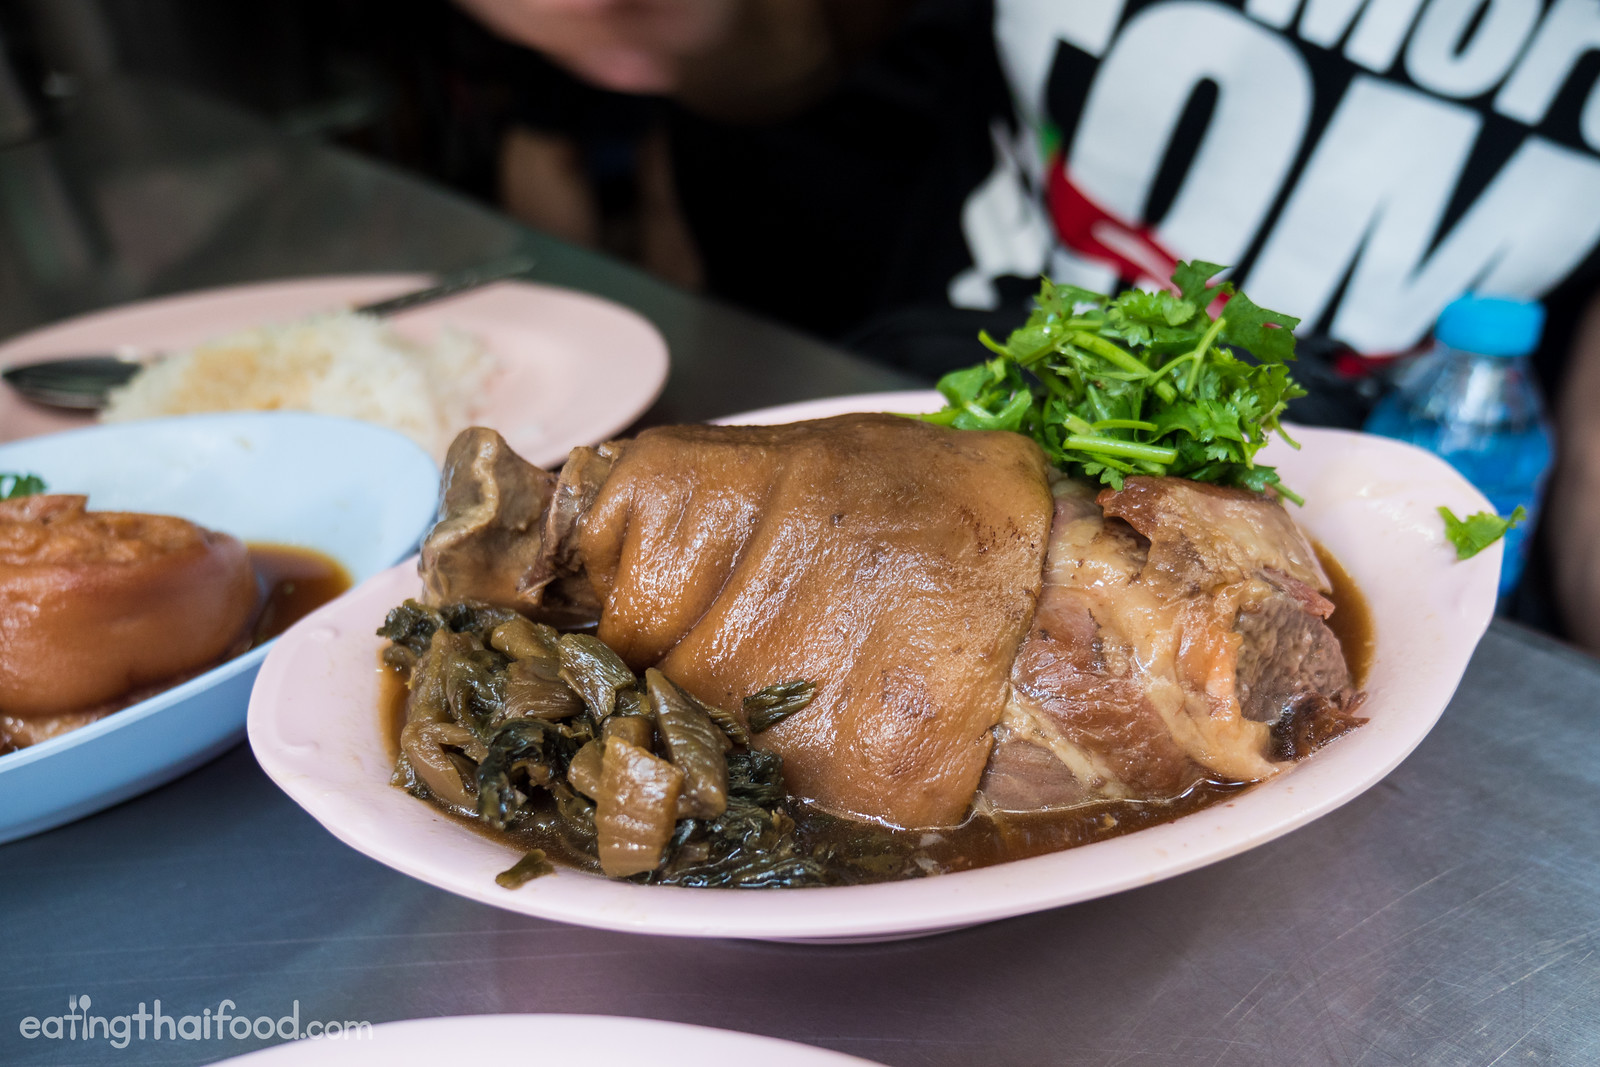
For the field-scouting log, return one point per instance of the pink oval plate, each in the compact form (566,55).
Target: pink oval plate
(314,725)
(570,1040)
(573,368)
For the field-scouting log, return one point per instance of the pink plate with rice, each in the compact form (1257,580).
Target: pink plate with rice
(571,368)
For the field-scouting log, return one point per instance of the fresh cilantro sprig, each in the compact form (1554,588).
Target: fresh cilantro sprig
(1479,530)
(1141,383)
(15,485)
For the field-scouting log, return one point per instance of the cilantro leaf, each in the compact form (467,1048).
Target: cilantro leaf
(1139,383)
(18,485)
(1191,279)
(1479,530)
(1155,309)
(1267,335)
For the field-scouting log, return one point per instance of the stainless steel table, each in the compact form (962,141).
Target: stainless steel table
(1449,916)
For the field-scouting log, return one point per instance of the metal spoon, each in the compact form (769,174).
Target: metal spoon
(82,383)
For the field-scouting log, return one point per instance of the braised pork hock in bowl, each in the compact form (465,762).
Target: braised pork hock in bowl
(145,569)
(866,677)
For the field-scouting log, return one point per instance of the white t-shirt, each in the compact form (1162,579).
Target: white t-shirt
(1359,162)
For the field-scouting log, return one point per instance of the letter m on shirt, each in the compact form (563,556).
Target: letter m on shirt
(1370,202)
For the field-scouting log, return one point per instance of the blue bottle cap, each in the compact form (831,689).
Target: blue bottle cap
(1491,325)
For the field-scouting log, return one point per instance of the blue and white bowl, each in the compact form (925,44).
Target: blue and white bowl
(359,493)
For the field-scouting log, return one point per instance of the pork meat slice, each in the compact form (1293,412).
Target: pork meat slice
(1291,670)
(1180,635)
(1207,536)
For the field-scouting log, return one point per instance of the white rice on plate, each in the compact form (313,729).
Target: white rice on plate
(340,363)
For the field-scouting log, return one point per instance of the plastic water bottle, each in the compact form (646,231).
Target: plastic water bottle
(1472,400)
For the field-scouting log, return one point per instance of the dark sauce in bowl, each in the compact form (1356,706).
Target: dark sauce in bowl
(294,582)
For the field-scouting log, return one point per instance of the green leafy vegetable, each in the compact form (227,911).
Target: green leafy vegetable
(1479,530)
(752,844)
(768,707)
(594,671)
(15,485)
(533,865)
(1141,383)
(485,737)
(533,747)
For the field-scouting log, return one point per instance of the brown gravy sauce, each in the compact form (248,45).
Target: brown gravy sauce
(1351,621)
(391,707)
(980,841)
(294,582)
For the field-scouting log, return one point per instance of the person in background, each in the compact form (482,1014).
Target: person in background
(591,167)
(1572,526)
(1359,166)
